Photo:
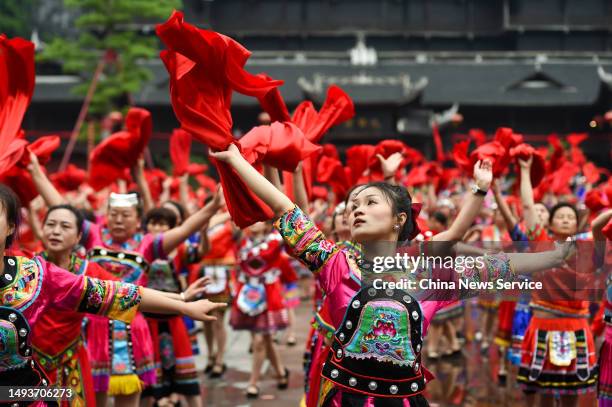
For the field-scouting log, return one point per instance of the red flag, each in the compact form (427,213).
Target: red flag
(180,151)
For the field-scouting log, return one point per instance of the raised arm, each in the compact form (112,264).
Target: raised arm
(389,166)
(143,186)
(275,199)
(597,226)
(177,235)
(483,175)
(503,207)
(529,211)
(299,188)
(45,188)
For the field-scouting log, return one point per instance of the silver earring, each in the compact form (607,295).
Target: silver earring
(396,227)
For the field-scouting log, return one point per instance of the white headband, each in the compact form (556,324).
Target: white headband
(122,200)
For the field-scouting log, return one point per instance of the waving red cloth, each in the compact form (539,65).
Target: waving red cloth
(273,103)
(538,165)
(70,179)
(281,145)
(461,158)
(358,158)
(596,200)
(591,172)
(195,168)
(206,182)
(330,171)
(479,136)
(16,88)
(438,143)
(560,179)
(493,151)
(428,173)
(204,68)
(180,151)
(388,147)
(338,108)
(120,151)
(18,178)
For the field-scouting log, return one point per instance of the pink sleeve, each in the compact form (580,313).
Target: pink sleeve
(151,247)
(70,292)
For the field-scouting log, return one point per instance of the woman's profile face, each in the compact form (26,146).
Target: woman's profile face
(370,216)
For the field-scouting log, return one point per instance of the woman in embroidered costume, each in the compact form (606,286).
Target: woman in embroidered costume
(376,351)
(216,264)
(258,306)
(175,364)
(558,352)
(31,287)
(56,342)
(126,253)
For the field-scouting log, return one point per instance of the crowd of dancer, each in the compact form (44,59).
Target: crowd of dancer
(105,280)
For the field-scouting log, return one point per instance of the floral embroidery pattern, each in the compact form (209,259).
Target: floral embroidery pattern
(25,287)
(383,334)
(307,242)
(111,298)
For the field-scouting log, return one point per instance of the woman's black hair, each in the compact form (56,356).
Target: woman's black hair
(88,214)
(159,215)
(78,216)
(400,201)
(11,206)
(179,208)
(560,205)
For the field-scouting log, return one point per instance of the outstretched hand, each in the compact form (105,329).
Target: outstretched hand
(196,288)
(200,310)
(483,174)
(565,250)
(390,164)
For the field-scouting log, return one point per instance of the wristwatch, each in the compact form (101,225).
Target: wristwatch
(478,191)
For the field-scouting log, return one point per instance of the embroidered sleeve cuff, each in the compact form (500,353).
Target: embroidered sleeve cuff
(113,299)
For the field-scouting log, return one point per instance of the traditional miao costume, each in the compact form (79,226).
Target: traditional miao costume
(604,389)
(558,354)
(58,345)
(29,288)
(289,279)
(217,262)
(121,354)
(174,362)
(375,357)
(258,306)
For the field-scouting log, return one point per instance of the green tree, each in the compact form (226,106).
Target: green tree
(123,31)
(16,18)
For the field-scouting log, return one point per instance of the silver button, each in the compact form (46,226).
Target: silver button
(415,315)
(15,405)
(23,332)
(12,317)
(341,336)
(372,291)
(414,386)
(27,352)
(339,353)
(334,373)
(389,292)
(416,366)
(44,382)
(8,277)
(393,389)
(352,382)
(360,262)
(121,256)
(356,304)
(138,259)
(418,347)
(11,262)
(372,386)
(407,299)
(349,325)
(103,252)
